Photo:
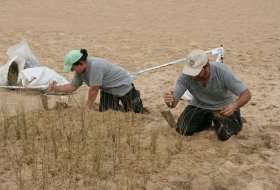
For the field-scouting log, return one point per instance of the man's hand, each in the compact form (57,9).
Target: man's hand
(241,101)
(229,110)
(52,86)
(168,97)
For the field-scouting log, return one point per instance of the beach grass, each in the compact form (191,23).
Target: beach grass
(68,148)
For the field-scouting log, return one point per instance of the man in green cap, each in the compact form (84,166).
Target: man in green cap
(114,83)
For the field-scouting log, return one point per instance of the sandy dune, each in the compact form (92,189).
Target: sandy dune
(141,34)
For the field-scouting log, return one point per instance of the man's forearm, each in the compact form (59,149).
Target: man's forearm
(91,99)
(92,94)
(243,98)
(67,88)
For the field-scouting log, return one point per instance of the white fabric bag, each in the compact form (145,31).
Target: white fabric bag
(38,76)
(22,49)
(187,96)
(5,69)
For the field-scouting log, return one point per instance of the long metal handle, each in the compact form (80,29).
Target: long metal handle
(216,51)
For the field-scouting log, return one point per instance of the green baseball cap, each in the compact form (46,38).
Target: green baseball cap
(70,58)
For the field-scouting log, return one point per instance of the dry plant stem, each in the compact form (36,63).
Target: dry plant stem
(17,129)
(154,138)
(54,142)
(88,150)
(98,153)
(35,123)
(114,160)
(13,159)
(138,147)
(21,128)
(5,123)
(33,150)
(119,129)
(169,150)
(221,118)
(116,131)
(45,160)
(83,127)
(179,144)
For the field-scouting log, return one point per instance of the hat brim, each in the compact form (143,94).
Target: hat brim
(191,71)
(67,68)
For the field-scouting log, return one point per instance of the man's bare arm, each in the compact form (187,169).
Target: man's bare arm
(243,98)
(92,94)
(67,88)
(241,101)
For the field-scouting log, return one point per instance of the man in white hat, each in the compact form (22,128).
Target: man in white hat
(212,85)
(99,74)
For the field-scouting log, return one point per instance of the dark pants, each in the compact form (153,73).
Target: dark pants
(195,119)
(131,101)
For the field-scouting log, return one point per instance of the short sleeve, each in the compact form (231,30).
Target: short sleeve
(76,81)
(96,76)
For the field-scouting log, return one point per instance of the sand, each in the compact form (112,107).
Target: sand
(142,34)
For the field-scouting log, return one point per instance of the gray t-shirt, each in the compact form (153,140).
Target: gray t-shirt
(218,92)
(100,72)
